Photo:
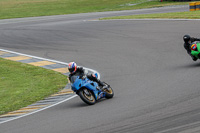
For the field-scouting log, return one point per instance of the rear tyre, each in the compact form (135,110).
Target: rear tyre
(109,92)
(87,96)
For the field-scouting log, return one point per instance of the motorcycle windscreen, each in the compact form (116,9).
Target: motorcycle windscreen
(73,79)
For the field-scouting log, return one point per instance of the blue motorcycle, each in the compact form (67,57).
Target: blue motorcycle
(89,91)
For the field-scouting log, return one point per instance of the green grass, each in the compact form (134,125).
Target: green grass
(174,15)
(22,84)
(31,8)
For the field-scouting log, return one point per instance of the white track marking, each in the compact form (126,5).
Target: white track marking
(94,71)
(39,109)
(52,104)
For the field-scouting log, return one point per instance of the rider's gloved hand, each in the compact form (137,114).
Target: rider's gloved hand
(83,77)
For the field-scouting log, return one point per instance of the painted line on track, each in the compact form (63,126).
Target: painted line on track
(59,62)
(55,99)
(145,20)
(38,110)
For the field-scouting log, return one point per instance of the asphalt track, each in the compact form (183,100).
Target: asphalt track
(156,84)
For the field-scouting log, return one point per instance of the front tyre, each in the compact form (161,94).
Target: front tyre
(109,92)
(87,96)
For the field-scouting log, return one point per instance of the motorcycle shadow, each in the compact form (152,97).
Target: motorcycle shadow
(81,104)
(193,65)
(188,66)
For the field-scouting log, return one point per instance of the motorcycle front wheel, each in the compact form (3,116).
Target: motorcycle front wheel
(109,92)
(87,96)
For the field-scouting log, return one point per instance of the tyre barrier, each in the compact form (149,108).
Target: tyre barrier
(197,6)
(194,6)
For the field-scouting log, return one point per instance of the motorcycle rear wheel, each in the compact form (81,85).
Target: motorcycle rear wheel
(87,96)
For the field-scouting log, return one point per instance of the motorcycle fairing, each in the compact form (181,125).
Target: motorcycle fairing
(91,85)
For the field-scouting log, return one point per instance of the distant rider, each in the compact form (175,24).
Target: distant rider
(79,71)
(188,41)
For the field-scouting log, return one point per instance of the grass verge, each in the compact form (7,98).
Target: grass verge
(22,84)
(32,8)
(174,15)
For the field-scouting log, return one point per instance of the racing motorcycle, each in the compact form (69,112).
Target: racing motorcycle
(89,91)
(195,49)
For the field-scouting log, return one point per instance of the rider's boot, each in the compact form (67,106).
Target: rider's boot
(193,57)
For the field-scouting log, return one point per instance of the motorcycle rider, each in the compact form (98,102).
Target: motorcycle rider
(79,71)
(188,41)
